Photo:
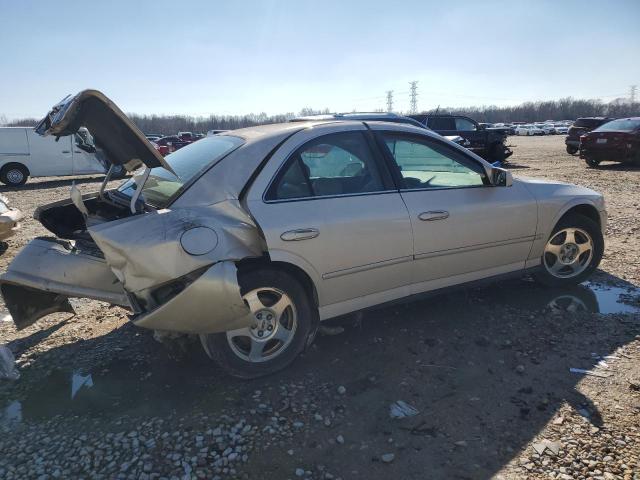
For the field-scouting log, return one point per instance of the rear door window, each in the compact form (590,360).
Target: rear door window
(465,125)
(331,165)
(441,123)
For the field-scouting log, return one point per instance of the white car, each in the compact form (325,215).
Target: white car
(547,129)
(528,130)
(561,129)
(24,154)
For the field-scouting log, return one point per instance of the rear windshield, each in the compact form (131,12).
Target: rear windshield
(188,163)
(588,122)
(621,125)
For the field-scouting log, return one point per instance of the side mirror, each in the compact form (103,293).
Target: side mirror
(501,177)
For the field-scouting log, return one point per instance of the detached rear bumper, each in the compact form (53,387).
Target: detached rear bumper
(47,272)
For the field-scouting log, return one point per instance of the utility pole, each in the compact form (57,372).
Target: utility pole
(389,100)
(414,97)
(632,93)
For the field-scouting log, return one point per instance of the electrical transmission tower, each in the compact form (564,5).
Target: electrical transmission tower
(389,100)
(632,93)
(414,97)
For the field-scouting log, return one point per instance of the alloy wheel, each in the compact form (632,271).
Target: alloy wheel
(274,321)
(568,253)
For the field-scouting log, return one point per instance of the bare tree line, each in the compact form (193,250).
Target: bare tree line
(563,109)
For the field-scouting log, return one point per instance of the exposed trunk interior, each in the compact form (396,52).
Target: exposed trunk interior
(65,221)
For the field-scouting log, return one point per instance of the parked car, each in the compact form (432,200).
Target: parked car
(250,238)
(24,154)
(163,149)
(152,137)
(561,129)
(528,130)
(173,142)
(489,143)
(9,219)
(617,140)
(579,128)
(547,129)
(379,116)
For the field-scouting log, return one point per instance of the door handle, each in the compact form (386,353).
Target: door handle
(434,215)
(66,151)
(300,234)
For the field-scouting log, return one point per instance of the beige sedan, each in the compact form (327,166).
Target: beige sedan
(251,237)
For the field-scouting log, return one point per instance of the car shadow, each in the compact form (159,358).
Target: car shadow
(486,368)
(618,167)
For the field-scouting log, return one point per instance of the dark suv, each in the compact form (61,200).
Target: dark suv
(580,127)
(487,142)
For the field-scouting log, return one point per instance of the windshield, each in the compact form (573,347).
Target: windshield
(622,125)
(188,162)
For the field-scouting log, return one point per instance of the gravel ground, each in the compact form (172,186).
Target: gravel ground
(485,370)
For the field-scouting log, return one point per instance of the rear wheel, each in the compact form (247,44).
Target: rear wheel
(281,324)
(14,174)
(572,149)
(572,253)
(592,162)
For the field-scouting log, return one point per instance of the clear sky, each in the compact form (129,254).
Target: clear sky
(233,57)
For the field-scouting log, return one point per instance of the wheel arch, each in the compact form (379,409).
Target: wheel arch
(293,269)
(585,209)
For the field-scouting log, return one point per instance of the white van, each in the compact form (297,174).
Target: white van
(24,154)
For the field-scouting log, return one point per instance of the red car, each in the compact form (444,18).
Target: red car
(617,140)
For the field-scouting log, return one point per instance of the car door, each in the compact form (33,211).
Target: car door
(326,203)
(463,228)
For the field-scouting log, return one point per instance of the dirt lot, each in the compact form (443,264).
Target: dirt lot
(487,370)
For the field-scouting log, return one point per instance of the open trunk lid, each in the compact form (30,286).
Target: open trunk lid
(123,142)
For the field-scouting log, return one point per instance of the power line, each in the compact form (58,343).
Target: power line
(389,100)
(414,97)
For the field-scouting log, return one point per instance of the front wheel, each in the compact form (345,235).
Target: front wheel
(281,323)
(572,253)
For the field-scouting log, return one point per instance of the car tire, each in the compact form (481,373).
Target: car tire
(572,234)
(572,149)
(498,153)
(591,162)
(14,174)
(231,350)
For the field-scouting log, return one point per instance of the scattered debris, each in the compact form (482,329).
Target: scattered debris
(8,369)
(402,409)
(78,381)
(460,443)
(330,331)
(342,390)
(553,447)
(387,457)
(589,372)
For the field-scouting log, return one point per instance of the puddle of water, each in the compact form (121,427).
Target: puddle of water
(616,299)
(587,297)
(115,390)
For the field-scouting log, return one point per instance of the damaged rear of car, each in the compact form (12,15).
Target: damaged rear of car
(164,244)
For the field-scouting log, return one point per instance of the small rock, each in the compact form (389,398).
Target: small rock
(299,472)
(387,457)
(340,439)
(520,369)
(342,390)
